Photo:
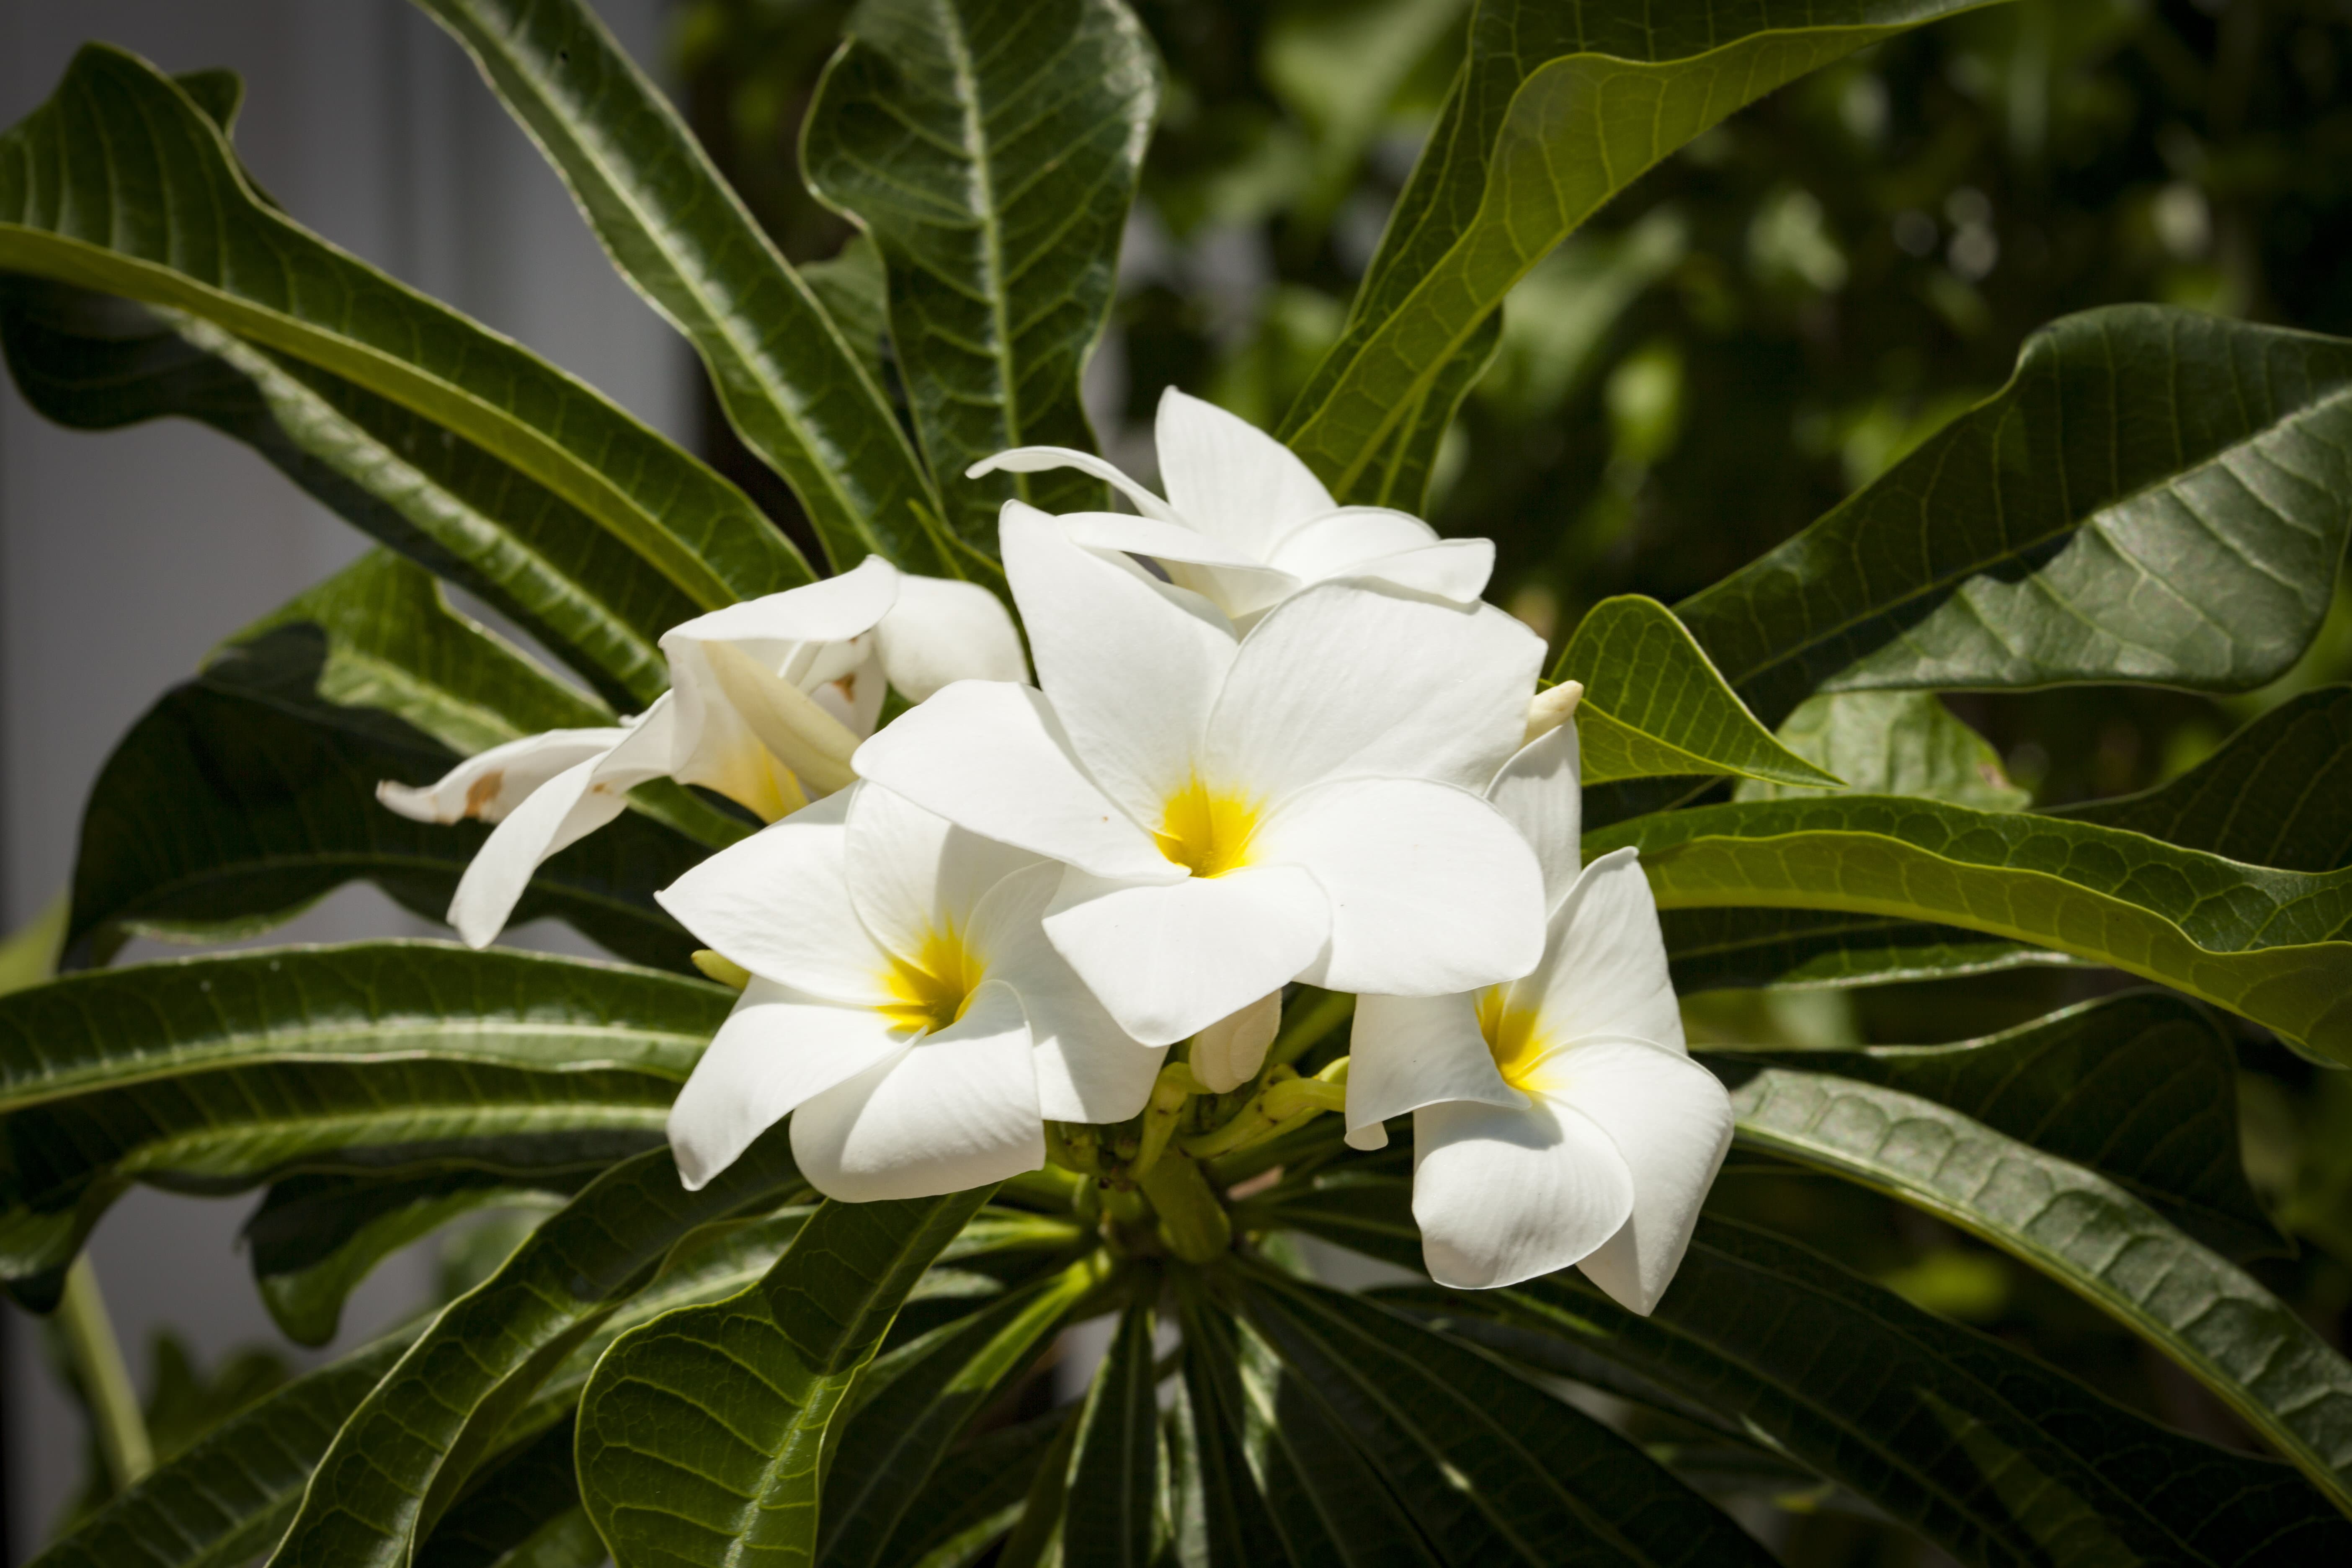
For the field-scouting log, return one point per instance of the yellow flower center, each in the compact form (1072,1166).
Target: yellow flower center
(933,989)
(1207,831)
(1511,1037)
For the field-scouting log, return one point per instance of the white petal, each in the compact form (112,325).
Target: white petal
(1348,680)
(853,698)
(1671,1121)
(1604,967)
(779,904)
(955,1110)
(1038,460)
(1229,478)
(775,1050)
(1089,1068)
(1131,677)
(912,873)
(490,784)
(942,632)
(993,758)
(1503,1196)
(1238,585)
(833,609)
(737,719)
(1387,547)
(1169,961)
(1228,1053)
(1405,1052)
(559,813)
(1430,890)
(1541,792)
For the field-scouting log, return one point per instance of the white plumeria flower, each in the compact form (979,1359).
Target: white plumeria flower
(767,700)
(1298,805)
(1247,524)
(905,1007)
(1558,1119)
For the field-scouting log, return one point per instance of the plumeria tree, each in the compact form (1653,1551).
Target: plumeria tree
(1301,898)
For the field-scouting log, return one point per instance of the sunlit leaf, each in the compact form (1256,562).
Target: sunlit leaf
(990,148)
(1895,742)
(797,391)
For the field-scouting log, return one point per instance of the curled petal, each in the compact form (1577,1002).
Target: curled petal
(1131,676)
(739,720)
(1405,1052)
(1671,1121)
(1430,890)
(1541,792)
(831,610)
(1230,479)
(1089,1068)
(1169,961)
(490,784)
(942,632)
(1039,460)
(1228,1053)
(1502,1195)
(559,813)
(955,1110)
(779,903)
(1239,585)
(775,1050)
(1350,681)
(994,758)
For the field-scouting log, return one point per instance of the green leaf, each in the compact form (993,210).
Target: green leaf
(223,1500)
(366,1003)
(2265,943)
(2278,792)
(316,1236)
(793,385)
(2087,1233)
(1709,949)
(241,797)
(1397,474)
(1654,707)
(521,1513)
(916,1401)
(166,218)
(97,363)
(991,147)
(398,1461)
(1993,1457)
(394,644)
(29,954)
(63,1164)
(2156,496)
(1490,1466)
(1895,742)
(1221,1519)
(2141,1089)
(1556,109)
(1110,1512)
(1985,1452)
(701,1433)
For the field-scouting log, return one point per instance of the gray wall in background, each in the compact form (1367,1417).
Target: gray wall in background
(124,556)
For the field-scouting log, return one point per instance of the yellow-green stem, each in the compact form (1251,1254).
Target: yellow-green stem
(1176,1084)
(1193,1224)
(106,1382)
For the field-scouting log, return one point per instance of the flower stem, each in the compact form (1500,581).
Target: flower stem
(1176,1084)
(1285,1102)
(106,1382)
(1315,1020)
(1193,1224)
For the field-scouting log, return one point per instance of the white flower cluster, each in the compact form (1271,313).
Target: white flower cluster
(1272,739)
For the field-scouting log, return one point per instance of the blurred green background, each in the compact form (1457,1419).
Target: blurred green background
(1762,324)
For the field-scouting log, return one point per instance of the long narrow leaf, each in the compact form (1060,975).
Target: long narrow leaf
(2088,1234)
(397,1461)
(992,148)
(701,1433)
(793,386)
(122,183)
(2269,944)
